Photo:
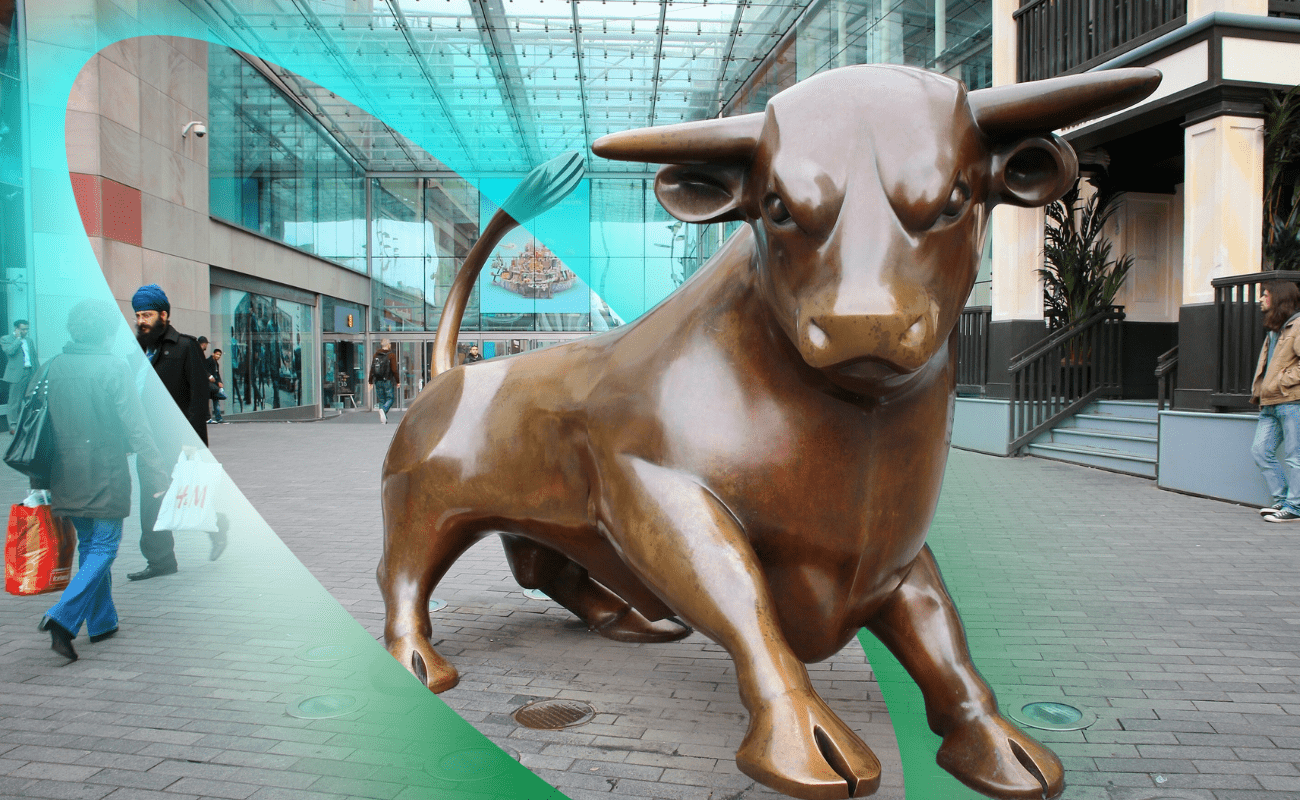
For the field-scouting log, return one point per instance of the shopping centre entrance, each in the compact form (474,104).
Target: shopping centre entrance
(346,361)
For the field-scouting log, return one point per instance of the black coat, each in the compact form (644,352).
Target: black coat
(97,418)
(184,371)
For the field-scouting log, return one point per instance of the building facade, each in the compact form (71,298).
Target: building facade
(301,200)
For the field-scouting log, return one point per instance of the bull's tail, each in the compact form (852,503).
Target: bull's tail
(545,186)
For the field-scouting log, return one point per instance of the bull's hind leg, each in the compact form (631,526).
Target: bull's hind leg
(919,625)
(567,583)
(415,558)
(685,544)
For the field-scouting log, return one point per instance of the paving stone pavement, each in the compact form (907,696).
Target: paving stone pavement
(1172,619)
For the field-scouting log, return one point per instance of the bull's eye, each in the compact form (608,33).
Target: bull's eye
(956,202)
(776,210)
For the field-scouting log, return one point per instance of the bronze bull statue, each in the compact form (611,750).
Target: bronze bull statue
(760,455)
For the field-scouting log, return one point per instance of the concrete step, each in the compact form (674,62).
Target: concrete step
(1091,438)
(1135,426)
(1113,460)
(1141,409)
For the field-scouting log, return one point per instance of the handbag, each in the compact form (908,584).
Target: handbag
(38,550)
(32,447)
(190,501)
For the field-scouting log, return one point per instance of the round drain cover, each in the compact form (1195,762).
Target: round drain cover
(325,706)
(551,715)
(473,764)
(536,594)
(436,605)
(1052,716)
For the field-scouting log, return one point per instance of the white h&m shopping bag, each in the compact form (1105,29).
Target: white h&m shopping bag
(190,503)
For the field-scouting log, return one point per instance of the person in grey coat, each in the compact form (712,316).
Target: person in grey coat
(20,351)
(97,419)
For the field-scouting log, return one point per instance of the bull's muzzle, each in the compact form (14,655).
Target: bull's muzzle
(871,346)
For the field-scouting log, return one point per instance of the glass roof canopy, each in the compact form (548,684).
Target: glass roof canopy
(499,86)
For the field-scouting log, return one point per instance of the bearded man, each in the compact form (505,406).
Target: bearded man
(179,362)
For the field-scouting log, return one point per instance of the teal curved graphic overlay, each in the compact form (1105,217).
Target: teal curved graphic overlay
(353,681)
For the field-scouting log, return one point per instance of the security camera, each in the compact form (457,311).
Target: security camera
(200,130)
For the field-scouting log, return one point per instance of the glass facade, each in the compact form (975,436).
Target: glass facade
(267,346)
(15,279)
(604,256)
(954,38)
(273,169)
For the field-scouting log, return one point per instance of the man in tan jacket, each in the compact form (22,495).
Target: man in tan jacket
(1276,389)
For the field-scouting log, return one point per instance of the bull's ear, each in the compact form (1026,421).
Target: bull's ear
(702,193)
(1033,172)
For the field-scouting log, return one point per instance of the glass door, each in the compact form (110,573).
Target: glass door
(344,376)
(410,371)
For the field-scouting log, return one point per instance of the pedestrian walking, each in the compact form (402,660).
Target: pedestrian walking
(1276,389)
(96,419)
(178,361)
(383,376)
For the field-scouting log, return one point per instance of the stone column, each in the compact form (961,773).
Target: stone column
(1201,8)
(1017,241)
(1223,211)
(1223,221)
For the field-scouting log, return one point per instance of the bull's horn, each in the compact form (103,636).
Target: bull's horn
(1043,106)
(703,142)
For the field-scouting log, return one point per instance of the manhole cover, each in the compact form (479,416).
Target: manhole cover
(536,594)
(472,764)
(436,605)
(325,706)
(551,715)
(1052,716)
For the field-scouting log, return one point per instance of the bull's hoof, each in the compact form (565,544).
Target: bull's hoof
(631,626)
(996,758)
(797,746)
(422,661)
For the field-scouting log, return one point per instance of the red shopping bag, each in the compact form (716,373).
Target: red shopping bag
(38,551)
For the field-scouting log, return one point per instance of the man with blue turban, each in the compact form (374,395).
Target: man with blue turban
(179,362)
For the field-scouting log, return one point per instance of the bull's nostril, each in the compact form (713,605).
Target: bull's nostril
(914,335)
(816,335)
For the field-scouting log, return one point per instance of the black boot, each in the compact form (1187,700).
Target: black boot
(60,638)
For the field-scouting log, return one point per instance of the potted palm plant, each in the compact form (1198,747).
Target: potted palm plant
(1282,180)
(1079,275)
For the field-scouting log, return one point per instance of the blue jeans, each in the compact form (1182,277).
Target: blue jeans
(1280,424)
(384,395)
(87,598)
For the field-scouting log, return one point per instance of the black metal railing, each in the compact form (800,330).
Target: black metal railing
(1240,334)
(1166,377)
(1056,36)
(1061,374)
(973,349)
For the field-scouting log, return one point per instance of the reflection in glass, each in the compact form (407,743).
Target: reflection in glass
(264,339)
(274,170)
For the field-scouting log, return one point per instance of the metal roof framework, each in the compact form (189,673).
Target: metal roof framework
(498,86)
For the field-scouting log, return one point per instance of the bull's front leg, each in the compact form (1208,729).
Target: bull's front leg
(684,543)
(919,625)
